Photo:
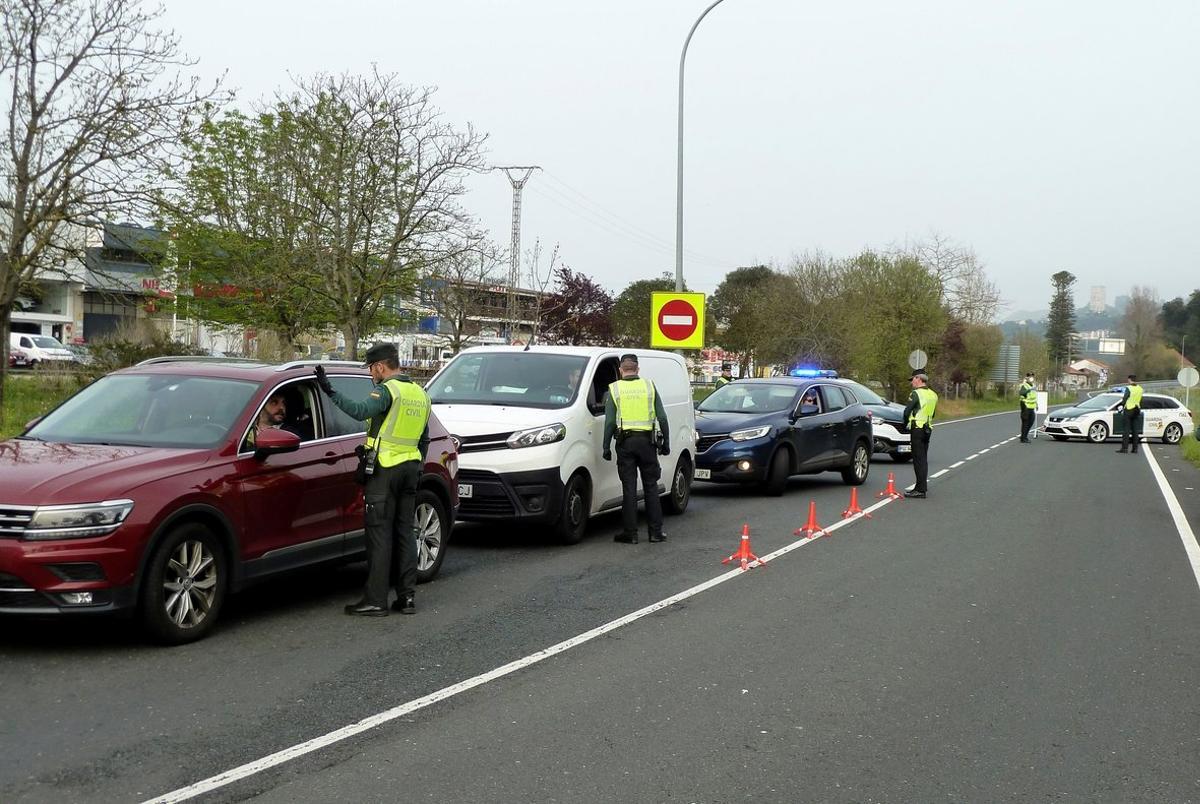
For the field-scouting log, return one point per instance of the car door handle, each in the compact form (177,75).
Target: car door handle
(828,426)
(331,458)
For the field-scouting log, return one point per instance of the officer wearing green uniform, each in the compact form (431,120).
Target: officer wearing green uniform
(630,411)
(918,417)
(1131,403)
(726,376)
(397,412)
(1027,398)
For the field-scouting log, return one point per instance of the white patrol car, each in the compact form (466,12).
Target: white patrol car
(1098,419)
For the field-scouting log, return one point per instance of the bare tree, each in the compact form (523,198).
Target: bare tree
(95,105)
(539,282)
(967,292)
(457,287)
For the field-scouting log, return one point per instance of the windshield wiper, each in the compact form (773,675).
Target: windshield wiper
(28,438)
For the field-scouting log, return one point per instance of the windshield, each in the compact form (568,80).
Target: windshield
(521,379)
(1101,402)
(148,410)
(46,342)
(743,397)
(866,395)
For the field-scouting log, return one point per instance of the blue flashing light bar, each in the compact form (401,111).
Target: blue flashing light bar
(812,372)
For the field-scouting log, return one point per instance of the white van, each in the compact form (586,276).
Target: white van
(39,349)
(529,425)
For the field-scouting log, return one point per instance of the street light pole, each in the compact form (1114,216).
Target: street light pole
(679,159)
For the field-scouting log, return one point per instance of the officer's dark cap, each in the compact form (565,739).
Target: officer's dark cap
(381,351)
(1132,377)
(921,373)
(726,367)
(629,358)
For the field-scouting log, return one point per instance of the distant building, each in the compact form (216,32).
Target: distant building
(1099,299)
(1121,303)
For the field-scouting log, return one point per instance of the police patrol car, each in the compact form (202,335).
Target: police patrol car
(1098,419)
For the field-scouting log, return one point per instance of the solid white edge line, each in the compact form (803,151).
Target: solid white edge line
(1190,546)
(315,744)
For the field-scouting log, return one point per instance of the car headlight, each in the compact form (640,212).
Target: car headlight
(77,521)
(537,436)
(877,422)
(750,433)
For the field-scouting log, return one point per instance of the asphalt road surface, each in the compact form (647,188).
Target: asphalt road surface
(1030,632)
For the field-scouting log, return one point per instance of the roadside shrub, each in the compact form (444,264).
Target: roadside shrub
(130,344)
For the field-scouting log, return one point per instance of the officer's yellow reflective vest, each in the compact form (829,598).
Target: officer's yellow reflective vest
(403,425)
(1029,396)
(634,401)
(722,381)
(927,399)
(1135,397)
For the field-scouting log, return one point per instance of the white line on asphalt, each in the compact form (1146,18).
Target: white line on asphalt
(938,474)
(1181,524)
(366,724)
(985,449)
(972,457)
(956,465)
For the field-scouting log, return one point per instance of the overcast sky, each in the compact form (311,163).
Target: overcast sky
(1045,135)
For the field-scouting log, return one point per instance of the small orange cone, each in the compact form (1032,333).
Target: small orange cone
(811,529)
(743,553)
(890,492)
(854,510)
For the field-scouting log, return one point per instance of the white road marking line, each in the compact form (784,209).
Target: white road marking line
(680,320)
(972,457)
(938,474)
(1181,524)
(997,446)
(985,449)
(956,465)
(366,724)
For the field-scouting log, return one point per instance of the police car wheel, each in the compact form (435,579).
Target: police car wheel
(777,476)
(1172,434)
(1098,433)
(185,585)
(433,530)
(860,466)
(572,521)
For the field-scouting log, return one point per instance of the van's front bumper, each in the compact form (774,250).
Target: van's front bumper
(533,496)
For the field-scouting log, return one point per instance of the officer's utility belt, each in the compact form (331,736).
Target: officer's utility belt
(624,434)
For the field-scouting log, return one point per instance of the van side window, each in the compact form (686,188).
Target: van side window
(607,372)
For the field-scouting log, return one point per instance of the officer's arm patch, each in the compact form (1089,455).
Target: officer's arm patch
(374,394)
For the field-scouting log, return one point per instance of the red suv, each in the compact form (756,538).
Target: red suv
(145,492)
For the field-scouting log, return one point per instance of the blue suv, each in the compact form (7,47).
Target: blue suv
(763,431)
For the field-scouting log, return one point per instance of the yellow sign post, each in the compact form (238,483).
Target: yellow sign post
(677,321)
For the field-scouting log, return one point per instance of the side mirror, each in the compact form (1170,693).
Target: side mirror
(274,442)
(29,424)
(809,410)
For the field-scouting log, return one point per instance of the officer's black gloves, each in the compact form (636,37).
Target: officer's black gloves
(323,381)
(607,455)
(664,448)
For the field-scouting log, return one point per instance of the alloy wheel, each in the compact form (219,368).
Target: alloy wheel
(428,525)
(190,583)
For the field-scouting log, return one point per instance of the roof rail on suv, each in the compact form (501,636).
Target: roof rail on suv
(313,362)
(196,358)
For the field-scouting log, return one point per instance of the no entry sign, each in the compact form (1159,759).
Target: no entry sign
(677,321)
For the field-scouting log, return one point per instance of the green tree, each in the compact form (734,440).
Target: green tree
(358,194)
(631,310)
(1142,331)
(1035,356)
(1181,325)
(981,349)
(732,315)
(1061,322)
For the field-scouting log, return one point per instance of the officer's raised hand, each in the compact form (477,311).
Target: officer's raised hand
(323,381)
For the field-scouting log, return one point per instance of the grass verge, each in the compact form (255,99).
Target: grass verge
(27,396)
(1190,448)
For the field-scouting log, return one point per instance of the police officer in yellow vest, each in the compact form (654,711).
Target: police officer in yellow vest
(918,416)
(631,410)
(726,376)
(1131,403)
(397,412)
(1027,399)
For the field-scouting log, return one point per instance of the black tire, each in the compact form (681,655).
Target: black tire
(1097,432)
(860,465)
(676,501)
(576,503)
(184,586)
(1058,437)
(1173,433)
(778,474)
(433,534)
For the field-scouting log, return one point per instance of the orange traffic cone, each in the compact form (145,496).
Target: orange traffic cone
(854,510)
(890,492)
(743,553)
(811,529)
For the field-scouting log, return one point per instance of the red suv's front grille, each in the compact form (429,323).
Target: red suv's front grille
(13,520)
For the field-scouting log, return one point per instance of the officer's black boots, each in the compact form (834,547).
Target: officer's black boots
(626,538)
(405,605)
(661,537)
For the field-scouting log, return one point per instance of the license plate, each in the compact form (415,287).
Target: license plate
(465,490)
(703,474)
(903,448)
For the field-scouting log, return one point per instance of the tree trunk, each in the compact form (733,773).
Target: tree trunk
(5,323)
(350,332)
